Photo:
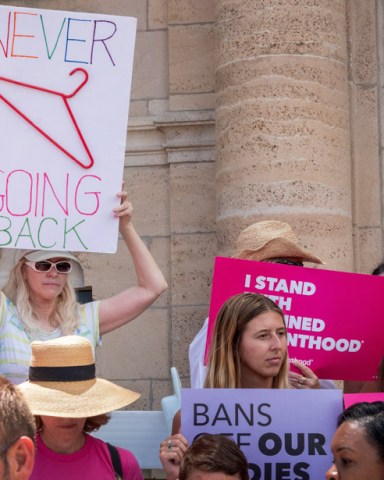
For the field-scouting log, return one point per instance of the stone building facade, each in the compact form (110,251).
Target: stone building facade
(240,111)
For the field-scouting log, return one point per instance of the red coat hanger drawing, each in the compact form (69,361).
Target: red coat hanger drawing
(65,97)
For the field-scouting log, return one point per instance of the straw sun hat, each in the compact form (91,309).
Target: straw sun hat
(271,239)
(62,381)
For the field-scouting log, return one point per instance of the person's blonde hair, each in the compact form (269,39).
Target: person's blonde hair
(224,364)
(17,290)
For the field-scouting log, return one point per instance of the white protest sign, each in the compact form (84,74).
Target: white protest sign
(65,80)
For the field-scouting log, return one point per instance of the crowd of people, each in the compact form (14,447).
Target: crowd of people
(48,345)
(248,347)
(48,342)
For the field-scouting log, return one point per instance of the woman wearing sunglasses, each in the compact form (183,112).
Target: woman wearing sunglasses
(39,303)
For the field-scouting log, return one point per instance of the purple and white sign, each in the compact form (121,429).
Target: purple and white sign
(285,434)
(334,319)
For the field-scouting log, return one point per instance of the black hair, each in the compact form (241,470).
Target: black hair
(370,416)
(379,270)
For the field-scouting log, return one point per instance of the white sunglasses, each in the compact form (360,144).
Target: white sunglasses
(46,266)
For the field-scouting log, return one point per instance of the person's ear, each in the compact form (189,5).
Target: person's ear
(21,458)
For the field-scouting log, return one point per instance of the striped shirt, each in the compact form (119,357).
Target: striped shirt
(15,343)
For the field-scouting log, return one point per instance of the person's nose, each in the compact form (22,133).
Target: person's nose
(331,473)
(53,272)
(276,342)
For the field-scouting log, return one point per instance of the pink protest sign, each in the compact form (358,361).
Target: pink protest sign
(352,398)
(334,319)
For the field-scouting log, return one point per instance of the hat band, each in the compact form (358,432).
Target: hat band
(76,373)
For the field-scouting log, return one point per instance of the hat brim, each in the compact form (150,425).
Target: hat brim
(40,255)
(76,399)
(279,248)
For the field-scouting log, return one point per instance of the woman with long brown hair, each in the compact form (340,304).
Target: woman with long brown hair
(249,345)
(249,349)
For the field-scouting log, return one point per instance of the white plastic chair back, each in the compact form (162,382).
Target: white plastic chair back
(171,404)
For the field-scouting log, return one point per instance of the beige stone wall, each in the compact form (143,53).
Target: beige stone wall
(239,111)
(365,27)
(283,121)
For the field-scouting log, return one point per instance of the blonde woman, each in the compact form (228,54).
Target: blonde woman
(38,302)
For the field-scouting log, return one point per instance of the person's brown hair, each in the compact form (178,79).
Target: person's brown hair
(214,453)
(16,419)
(91,424)
(224,364)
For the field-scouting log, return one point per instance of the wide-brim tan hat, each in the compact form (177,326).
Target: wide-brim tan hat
(62,381)
(270,239)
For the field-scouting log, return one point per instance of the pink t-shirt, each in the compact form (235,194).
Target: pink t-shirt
(91,462)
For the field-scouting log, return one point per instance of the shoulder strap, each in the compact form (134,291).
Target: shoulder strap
(116,462)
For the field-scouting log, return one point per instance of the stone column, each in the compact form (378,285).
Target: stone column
(283,148)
